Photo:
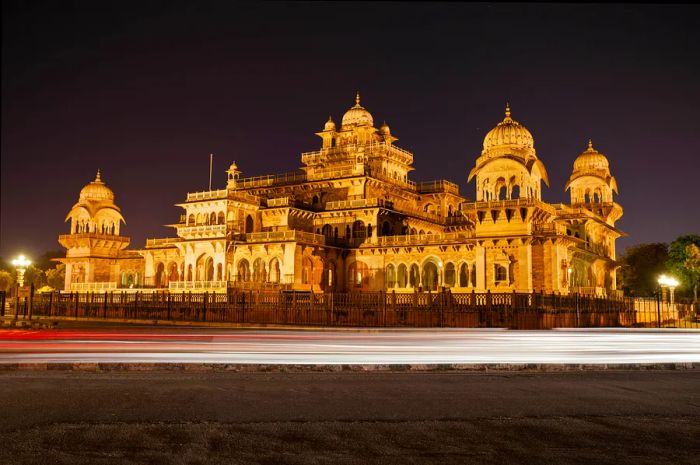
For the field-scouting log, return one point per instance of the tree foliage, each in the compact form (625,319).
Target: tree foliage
(684,262)
(641,266)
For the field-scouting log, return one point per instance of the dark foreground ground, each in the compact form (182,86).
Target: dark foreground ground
(624,417)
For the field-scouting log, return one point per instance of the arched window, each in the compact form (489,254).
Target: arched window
(587,196)
(500,273)
(190,220)
(430,277)
(314,200)
(327,230)
(515,192)
(243,271)
(463,275)
(449,275)
(306,271)
(596,196)
(369,230)
(358,229)
(357,274)
(209,269)
(275,270)
(414,276)
(390,276)
(503,193)
(402,280)
(221,218)
(219,272)
(248,224)
(259,272)
(189,273)
(173,275)
(386,229)
(160,275)
(328,278)
(212,218)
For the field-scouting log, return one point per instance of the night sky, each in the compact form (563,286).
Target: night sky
(145,91)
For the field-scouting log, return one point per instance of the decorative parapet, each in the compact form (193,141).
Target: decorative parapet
(78,287)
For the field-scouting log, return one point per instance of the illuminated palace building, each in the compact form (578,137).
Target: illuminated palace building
(351,219)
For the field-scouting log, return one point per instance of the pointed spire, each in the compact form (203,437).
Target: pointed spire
(590,145)
(507,110)
(330,119)
(357,98)
(97,176)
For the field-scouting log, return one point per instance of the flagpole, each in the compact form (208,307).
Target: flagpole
(211,161)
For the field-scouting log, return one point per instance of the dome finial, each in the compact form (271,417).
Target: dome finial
(507,110)
(97,176)
(357,98)
(590,145)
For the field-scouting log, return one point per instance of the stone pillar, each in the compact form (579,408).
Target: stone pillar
(481,284)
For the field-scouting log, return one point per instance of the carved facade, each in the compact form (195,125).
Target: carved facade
(351,219)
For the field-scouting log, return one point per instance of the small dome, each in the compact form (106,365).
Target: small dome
(96,190)
(233,167)
(357,115)
(330,125)
(508,133)
(591,160)
(384,128)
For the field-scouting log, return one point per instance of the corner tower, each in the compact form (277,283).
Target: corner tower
(508,167)
(592,186)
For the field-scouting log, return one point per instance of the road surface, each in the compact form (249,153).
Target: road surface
(386,346)
(343,418)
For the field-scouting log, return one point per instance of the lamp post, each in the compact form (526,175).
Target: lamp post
(671,283)
(569,271)
(21,264)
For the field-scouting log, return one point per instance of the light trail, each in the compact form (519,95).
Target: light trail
(375,346)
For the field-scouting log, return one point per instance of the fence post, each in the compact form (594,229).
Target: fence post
(168,306)
(104,307)
(382,295)
(77,296)
(204,306)
(31,300)
(136,303)
(578,311)
(658,309)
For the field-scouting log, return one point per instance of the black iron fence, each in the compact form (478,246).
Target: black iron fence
(369,309)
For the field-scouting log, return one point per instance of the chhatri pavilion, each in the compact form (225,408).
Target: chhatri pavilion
(351,219)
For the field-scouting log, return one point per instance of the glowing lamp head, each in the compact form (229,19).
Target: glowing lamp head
(21,262)
(668,281)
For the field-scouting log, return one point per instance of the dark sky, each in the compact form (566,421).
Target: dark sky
(145,91)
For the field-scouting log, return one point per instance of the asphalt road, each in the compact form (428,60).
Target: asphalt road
(605,417)
(390,346)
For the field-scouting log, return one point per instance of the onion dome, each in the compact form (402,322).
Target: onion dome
(508,133)
(592,163)
(357,115)
(591,160)
(233,167)
(330,125)
(96,190)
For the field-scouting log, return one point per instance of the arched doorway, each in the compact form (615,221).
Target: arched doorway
(160,275)
(243,271)
(430,278)
(275,270)
(249,224)
(259,272)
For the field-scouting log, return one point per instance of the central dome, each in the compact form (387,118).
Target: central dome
(96,190)
(357,115)
(508,133)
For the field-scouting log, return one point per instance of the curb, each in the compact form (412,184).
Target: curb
(282,368)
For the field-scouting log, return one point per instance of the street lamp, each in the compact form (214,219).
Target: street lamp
(670,282)
(569,271)
(21,264)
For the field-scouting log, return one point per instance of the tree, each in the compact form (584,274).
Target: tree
(56,277)
(684,262)
(641,266)
(35,276)
(7,280)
